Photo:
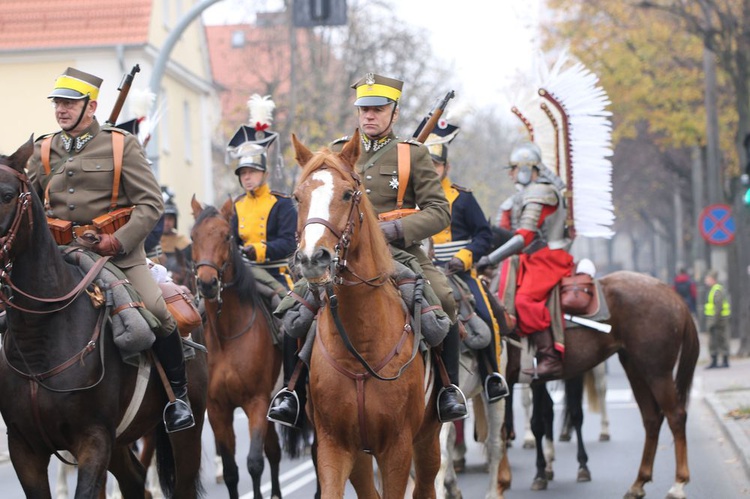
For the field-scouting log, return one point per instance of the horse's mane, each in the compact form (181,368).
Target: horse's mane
(326,159)
(244,282)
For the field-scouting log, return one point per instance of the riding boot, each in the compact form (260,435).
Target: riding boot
(725,361)
(177,415)
(451,401)
(285,406)
(713,364)
(495,386)
(549,365)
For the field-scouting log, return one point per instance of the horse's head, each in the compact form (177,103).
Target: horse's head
(15,195)
(330,209)
(212,247)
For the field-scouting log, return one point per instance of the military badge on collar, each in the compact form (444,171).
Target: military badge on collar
(393,183)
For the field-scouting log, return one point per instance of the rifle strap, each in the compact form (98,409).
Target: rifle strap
(404,169)
(118,148)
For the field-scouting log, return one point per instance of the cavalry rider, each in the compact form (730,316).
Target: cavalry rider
(75,171)
(544,259)
(264,226)
(171,240)
(377,103)
(460,244)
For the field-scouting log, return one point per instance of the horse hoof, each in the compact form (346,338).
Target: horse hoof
(584,475)
(550,475)
(539,484)
(529,444)
(459,465)
(565,437)
(634,494)
(604,437)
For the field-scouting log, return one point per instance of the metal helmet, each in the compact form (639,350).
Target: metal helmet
(171,209)
(525,157)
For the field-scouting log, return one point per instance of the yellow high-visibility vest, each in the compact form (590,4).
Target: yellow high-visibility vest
(709,309)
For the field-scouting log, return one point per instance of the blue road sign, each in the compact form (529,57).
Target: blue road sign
(717,225)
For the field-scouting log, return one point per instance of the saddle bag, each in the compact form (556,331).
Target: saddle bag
(576,293)
(61,230)
(110,222)
(182,307)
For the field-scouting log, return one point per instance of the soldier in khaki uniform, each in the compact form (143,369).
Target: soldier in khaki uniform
(79,189)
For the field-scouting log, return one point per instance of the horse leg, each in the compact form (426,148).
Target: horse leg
(652,420)
(273,453)
(494,448)
(221,420)
(600,382)
(129,472)
(566,422)
(332,477)
(30,467)
(574,399)
(257,424)
(528,435)
(185,447)
(93,454)
(426,452)
(509,428)
(538,416)
(362,477)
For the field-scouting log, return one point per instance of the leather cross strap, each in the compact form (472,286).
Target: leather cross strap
(404,169)
(118,151)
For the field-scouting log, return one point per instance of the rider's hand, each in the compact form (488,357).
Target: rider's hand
(393,231)
(454,266)
(482,264)
(108,245)
(250,252)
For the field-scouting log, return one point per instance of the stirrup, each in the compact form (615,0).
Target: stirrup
(273,405)
(463,397)
(184,426)
(503,387)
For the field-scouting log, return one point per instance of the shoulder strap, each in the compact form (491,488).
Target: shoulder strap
(377,155)
(46,148)
(118,147)
(404,169)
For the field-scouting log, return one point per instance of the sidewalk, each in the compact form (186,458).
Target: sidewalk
(727,394)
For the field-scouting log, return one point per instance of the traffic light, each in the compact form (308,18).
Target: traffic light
(311,13)
(746,199)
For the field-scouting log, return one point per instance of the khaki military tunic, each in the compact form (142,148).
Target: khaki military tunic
(380,181)
(80,189)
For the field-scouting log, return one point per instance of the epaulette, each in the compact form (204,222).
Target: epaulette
(413,142)
(345,138)
(42,137)
(460,188)
(281,194)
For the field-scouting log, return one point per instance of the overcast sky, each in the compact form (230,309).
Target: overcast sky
(487,42)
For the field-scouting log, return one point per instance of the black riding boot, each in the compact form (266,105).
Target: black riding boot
(286,404)
(451,402)
(713,363)
(495,386)
(725,361)
(177,415)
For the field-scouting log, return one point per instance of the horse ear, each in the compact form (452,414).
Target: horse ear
(227,210)
(301,153)
(350,153)
(196,206)
(19,158)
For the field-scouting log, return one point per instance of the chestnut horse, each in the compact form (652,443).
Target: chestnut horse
(243,363)
(63,384)
(370,392)
(652,333)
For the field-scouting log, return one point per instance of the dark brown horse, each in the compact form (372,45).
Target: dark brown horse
(63,384)
(243,363)
(368,391)
(652,333)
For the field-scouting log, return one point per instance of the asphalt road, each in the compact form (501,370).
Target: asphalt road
(613,464)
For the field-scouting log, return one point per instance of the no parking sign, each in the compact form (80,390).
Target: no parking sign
(716,224)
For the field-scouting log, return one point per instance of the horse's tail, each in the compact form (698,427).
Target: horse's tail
(592,395)
(688,358)
(293,440)
(165,461)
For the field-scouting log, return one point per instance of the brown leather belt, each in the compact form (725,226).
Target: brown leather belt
(78,230)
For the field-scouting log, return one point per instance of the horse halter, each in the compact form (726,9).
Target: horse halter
(22,207)
(339,262)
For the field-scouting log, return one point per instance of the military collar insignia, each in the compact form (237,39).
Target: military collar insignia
(77,143)
(368,143)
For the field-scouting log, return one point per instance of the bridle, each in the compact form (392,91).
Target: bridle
(339,265)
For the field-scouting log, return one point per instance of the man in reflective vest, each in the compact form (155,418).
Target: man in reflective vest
(717,314)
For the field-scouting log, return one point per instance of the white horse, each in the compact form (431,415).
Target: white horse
(489,421)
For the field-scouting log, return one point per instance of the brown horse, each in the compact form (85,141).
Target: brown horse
(652,332)
(368,387)
(63,384)
(243,363)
